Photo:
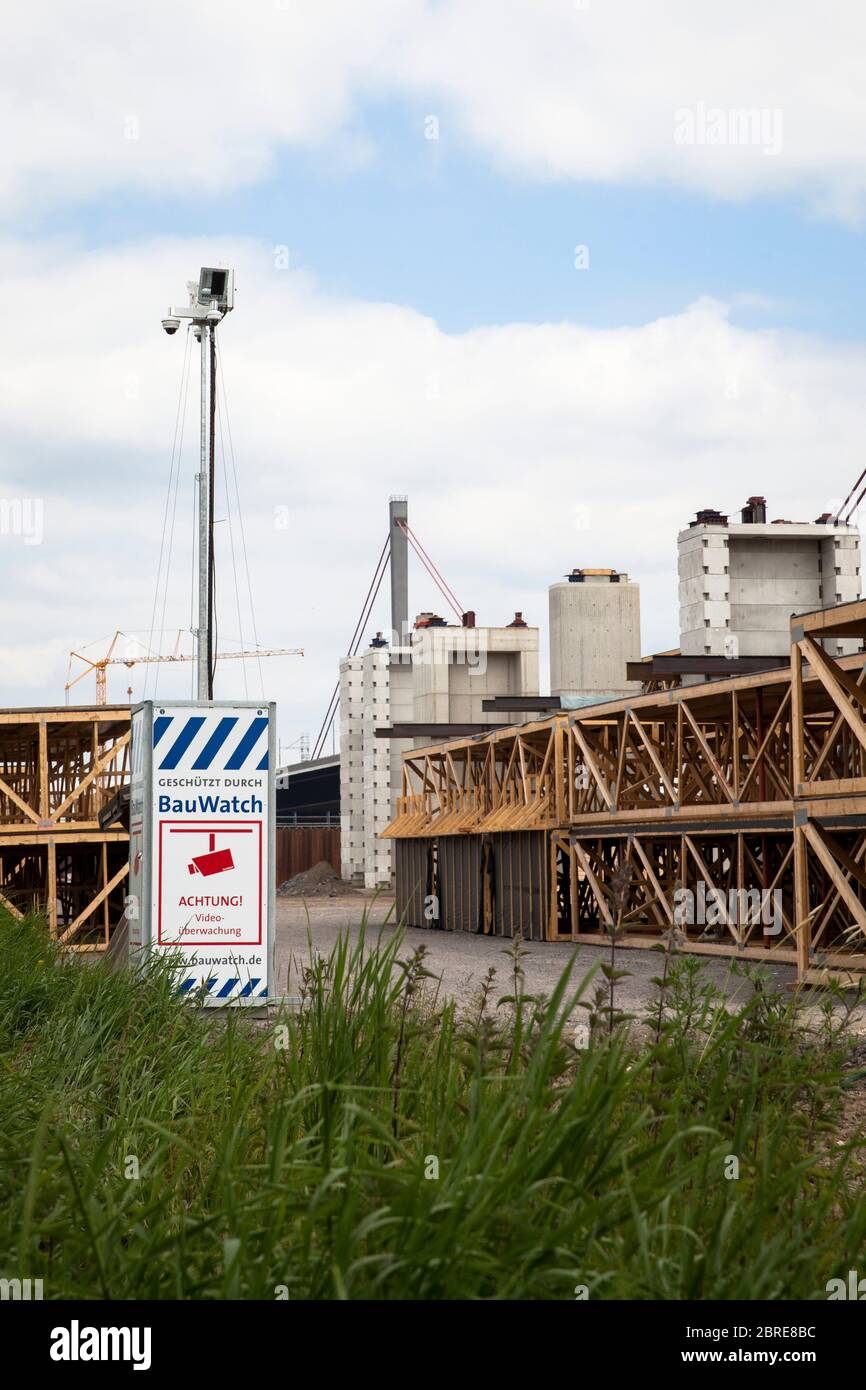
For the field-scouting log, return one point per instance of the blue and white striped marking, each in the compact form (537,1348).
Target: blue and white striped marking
(222,987)
(211,742)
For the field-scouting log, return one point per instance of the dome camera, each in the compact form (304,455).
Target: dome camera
(171,325)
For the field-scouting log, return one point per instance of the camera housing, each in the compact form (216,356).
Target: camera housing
(171,324)
(216,287)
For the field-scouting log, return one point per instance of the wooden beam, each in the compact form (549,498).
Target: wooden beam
(589,759)
(11,908)
(82,917)
(99,767)
(51,888)
(593,882)
(855,870)
(653,755)
(6,790)
(828,677)
(651,875)
(838,879)
(761,748)
(43,768)
(699,860)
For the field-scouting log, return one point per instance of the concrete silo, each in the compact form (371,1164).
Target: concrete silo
(594,631)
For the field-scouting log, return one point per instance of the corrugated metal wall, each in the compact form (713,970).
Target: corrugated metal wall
(497,883)
(414,862)
(522,884)
(460,882)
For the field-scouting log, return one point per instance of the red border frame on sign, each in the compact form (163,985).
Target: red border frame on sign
(208,826)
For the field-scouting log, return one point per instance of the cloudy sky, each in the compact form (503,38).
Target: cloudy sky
(560,270)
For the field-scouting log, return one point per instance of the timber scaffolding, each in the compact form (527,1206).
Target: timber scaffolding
(62,852)
(563,827)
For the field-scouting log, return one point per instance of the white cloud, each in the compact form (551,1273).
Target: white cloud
(171,98)
(202,97)
(540,448)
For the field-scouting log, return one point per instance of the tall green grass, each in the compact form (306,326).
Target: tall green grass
(373,1144)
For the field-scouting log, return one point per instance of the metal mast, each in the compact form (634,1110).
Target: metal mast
(204,685)
(211,297)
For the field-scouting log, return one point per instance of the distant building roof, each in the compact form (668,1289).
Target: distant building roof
(308,765)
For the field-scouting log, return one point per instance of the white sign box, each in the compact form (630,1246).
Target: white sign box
(202,845)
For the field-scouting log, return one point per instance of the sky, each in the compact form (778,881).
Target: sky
(561,271)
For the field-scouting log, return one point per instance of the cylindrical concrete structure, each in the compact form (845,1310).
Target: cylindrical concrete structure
(594,631)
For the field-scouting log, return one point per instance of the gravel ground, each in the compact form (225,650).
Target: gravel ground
(461,960)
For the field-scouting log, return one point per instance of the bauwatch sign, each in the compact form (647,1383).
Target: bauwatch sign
(201,848)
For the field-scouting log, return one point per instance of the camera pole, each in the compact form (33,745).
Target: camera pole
(204,685)
(211,297)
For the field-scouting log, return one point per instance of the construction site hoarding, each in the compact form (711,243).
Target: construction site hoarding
(202,846)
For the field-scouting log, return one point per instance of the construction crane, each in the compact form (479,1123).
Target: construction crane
(102,663)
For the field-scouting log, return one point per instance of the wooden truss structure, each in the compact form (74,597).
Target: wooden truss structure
(59,768)
(747,793)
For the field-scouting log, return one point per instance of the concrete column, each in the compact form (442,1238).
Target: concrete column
(398,508)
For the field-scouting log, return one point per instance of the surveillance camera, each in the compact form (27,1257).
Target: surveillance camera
(171,325)
(216,287)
